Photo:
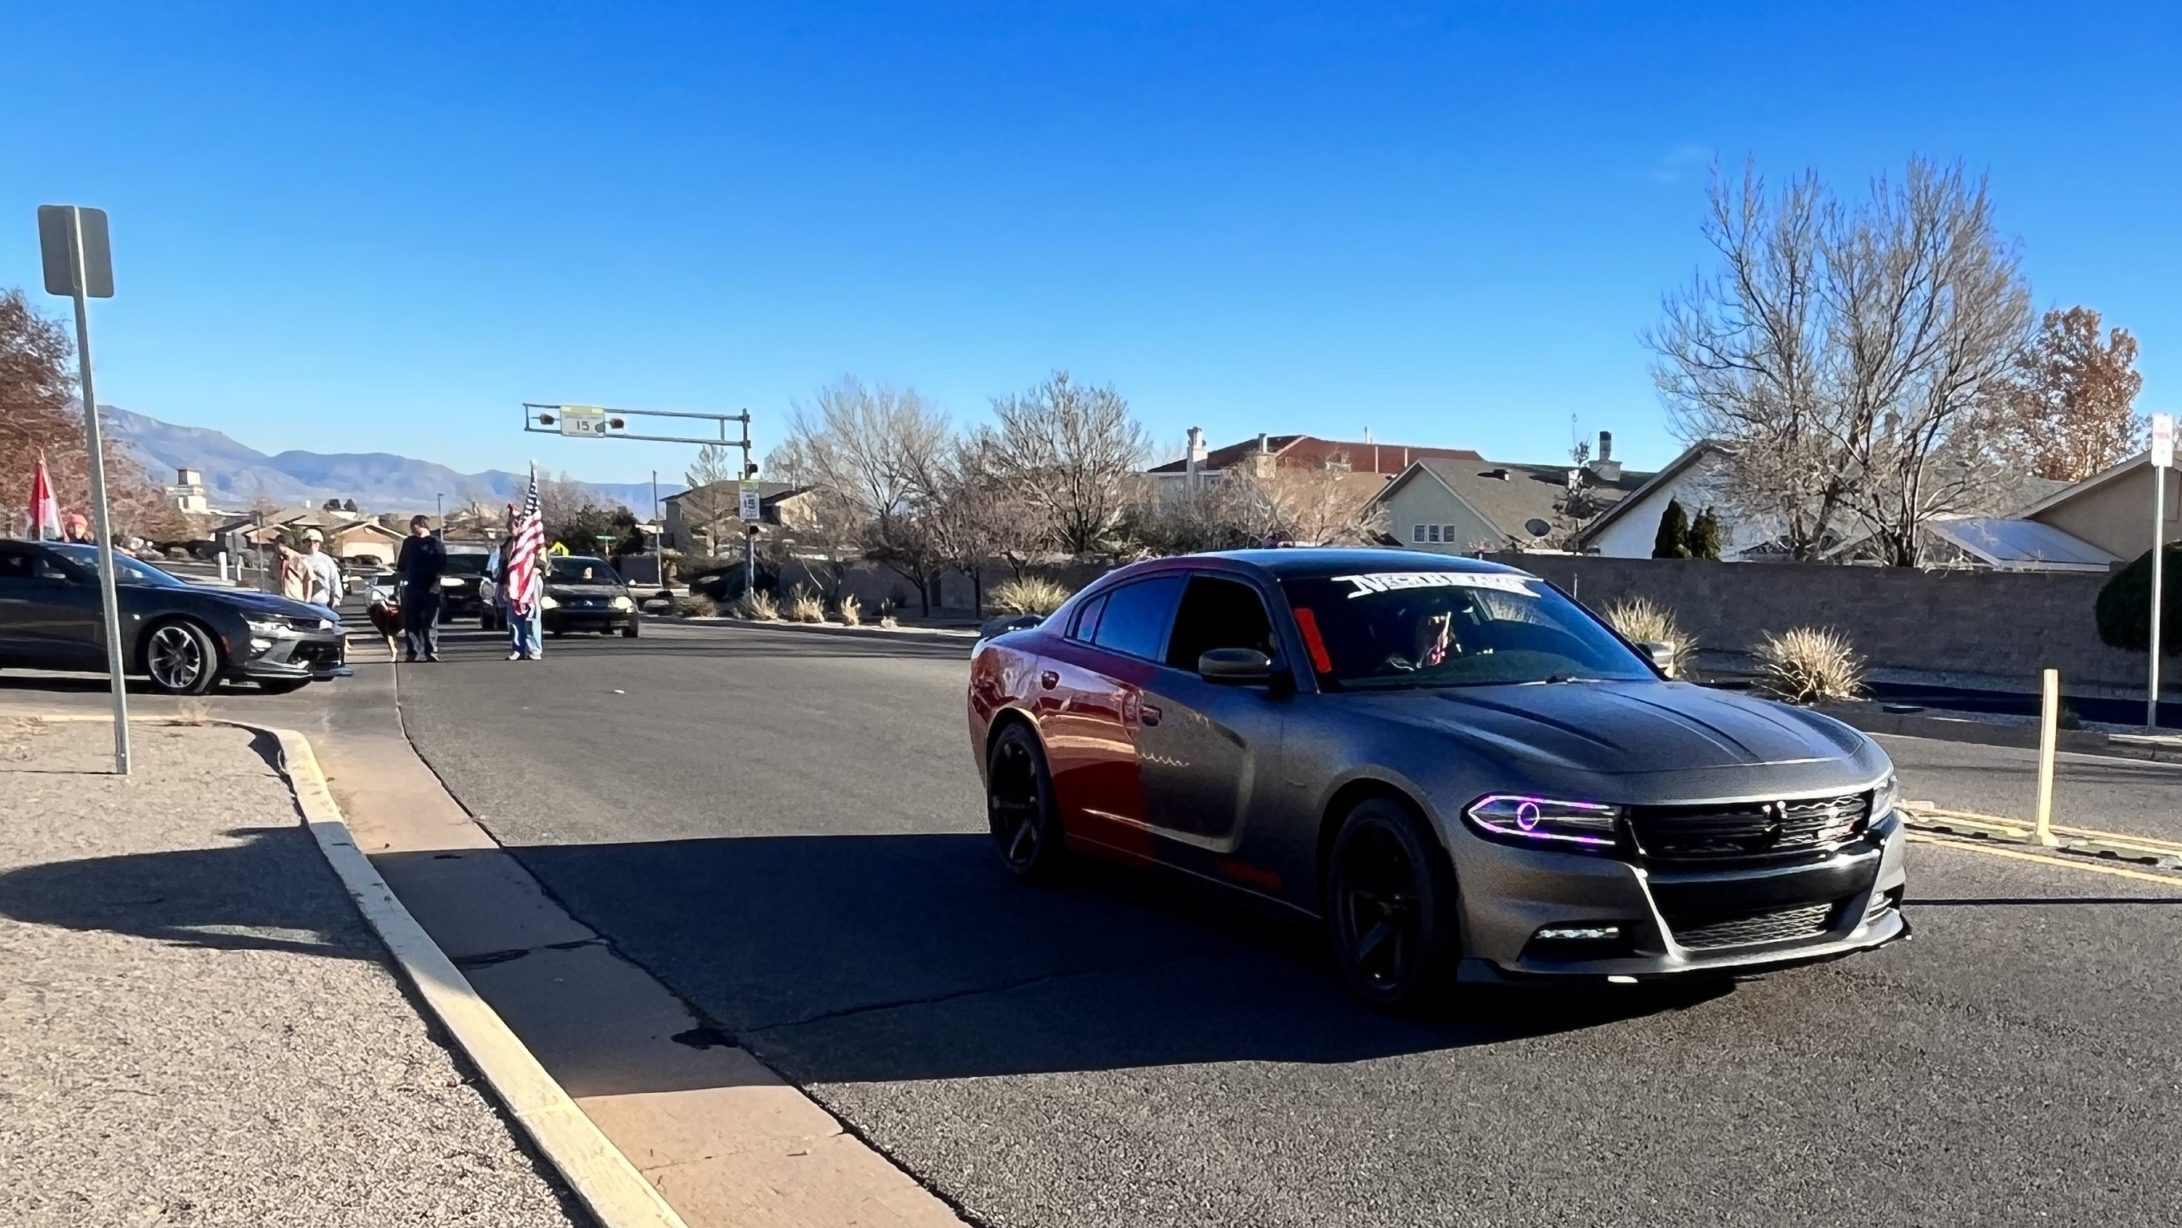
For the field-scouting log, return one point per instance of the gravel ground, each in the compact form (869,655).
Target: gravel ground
(196,1027)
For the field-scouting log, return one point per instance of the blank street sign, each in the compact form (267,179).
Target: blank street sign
(2163,440)
(54,224)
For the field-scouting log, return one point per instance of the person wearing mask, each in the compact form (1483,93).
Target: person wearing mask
(418,568)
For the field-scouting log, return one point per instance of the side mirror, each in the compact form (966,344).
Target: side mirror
(1661,655)
(1235,667)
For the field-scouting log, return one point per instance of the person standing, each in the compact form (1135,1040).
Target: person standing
(418,568)
(322,583)
(525,610)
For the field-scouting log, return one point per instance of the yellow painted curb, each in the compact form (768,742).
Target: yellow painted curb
(2046,859)
(2089,842)
(602,1178)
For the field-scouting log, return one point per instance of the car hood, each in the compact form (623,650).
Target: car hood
(269,603)
(1620,728)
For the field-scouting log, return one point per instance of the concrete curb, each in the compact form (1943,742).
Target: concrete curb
(2020,737)
(601,1177)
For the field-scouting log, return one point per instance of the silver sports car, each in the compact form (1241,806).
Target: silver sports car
(1462,772)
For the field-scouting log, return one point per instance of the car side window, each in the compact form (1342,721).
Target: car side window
(17,563)
(1138,616)
(1087,620)
(1217,612)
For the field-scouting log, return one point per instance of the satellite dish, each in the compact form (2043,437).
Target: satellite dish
(1536,527)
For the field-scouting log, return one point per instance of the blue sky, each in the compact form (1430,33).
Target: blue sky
(381,227)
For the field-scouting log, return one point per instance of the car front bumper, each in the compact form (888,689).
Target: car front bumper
(317,655)
(1678,921)
(581,618)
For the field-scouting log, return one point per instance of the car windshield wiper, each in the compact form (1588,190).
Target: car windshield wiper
(1550,679)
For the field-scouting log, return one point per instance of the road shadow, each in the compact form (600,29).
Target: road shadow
(270,892)
(869,958)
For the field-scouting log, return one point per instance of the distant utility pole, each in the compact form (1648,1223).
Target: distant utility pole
(79,263)
(439,506)
(599,422)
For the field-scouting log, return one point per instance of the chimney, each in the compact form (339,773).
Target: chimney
(1603,465)
(1265,442)
(1196,450)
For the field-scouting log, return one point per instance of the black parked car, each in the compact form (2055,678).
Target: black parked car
(458,585)
(182,636)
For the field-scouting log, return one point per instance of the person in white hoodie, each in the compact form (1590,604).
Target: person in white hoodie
(310,574)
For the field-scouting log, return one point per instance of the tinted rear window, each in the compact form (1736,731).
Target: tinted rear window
(1138,615)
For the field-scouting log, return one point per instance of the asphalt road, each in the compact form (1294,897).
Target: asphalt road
(785,828)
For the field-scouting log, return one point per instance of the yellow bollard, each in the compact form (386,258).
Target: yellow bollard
(2049,725)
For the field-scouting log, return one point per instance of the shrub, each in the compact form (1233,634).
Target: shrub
(1029,595)
(1641,620)
(804,606)
(852,611)
(2124,607)
(697,605)
(886,614)
(758,607)
(1704,539)
(1808,665)
(888,621)
(1672,540)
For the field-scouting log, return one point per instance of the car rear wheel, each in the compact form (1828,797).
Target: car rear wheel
(1390,907)
(1026,831)
(181,659)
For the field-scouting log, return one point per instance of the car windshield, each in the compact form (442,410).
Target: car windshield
(1391,629)
(466,563)
(126,570)
(578,569)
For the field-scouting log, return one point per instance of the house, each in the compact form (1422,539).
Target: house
(1199,465)
(364,543)
(692,513)
(1697,479)
(1450,506)
(2113,510)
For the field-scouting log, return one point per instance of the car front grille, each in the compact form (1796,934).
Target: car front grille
(1751,929)
(1749,829)
(316,654)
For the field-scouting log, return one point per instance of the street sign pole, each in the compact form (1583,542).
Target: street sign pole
(2162,461)
(80,267)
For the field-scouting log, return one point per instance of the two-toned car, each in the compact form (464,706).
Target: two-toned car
(183,637)
(1455,767)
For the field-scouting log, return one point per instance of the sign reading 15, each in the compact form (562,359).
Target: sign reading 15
(583,420)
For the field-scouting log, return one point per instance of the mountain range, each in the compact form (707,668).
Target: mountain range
(235,474)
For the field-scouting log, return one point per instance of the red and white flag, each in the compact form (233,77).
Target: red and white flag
(525,581)
(44,517)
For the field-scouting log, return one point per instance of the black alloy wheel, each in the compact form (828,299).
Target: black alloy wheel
(181,659)
(1019,805)
(1390,908)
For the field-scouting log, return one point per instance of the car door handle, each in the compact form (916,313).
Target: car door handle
(1049,680)
(1147,714)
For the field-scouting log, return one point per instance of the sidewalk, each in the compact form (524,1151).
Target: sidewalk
(196,1027)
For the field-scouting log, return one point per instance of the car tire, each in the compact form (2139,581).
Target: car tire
(628,630)
(180,657)
(1390,908)
(1020,808)
(282,686)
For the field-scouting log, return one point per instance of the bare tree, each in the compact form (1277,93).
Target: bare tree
(871,453)
(1073,452)
(1846,354)
(1313,505)
(561,498)
(39,417)
(714,496)
(2068,409)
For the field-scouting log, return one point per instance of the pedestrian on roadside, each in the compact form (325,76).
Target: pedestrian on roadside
(310,574)
(418,568)
(524,610)
(75,527)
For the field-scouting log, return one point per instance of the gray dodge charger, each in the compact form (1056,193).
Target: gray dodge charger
(1464,774)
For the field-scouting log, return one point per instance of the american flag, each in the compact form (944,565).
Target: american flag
(524,578)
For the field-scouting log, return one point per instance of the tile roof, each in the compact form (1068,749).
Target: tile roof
(1524,493)
(1363,457)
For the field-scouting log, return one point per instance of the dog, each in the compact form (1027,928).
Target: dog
(386,619)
